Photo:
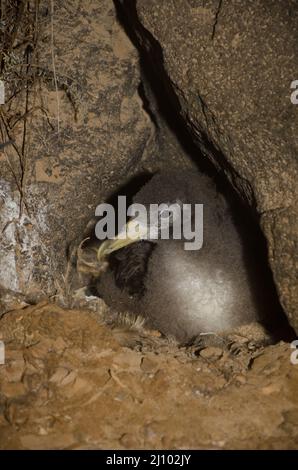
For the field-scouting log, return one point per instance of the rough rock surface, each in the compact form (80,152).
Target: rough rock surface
(69,382)
(52,179)
(227,68)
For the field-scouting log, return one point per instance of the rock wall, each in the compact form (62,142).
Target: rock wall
(79,129)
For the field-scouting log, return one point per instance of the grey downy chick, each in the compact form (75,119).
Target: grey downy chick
(179,292)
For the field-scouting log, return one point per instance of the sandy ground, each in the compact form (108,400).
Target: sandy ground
(70,382)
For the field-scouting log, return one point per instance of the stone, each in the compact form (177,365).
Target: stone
(83,139)
(13,389)
(211,353)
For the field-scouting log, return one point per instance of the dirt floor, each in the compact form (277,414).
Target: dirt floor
(71,382)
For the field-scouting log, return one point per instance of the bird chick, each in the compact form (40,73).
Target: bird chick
(180,292)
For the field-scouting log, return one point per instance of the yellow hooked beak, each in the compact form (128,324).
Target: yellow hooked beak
(130,233)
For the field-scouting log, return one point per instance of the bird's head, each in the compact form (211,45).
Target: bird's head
(164,198)
(147,222)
